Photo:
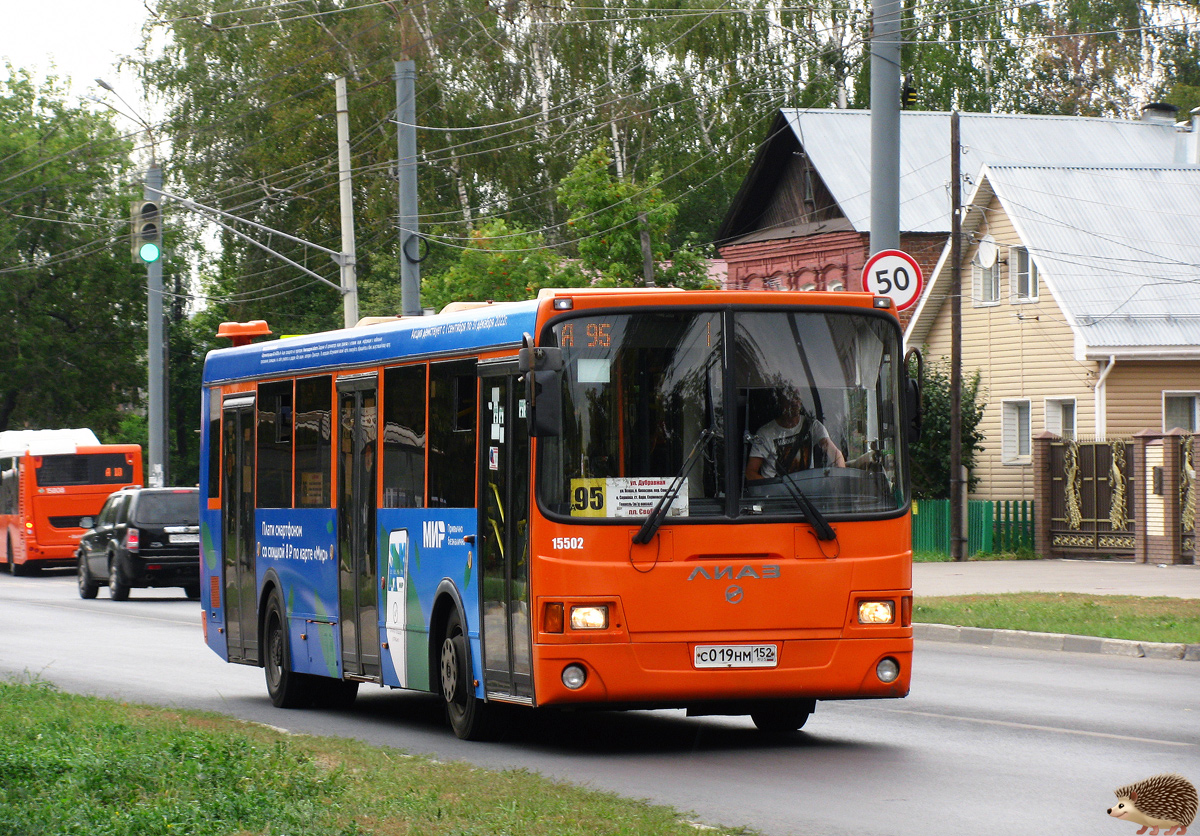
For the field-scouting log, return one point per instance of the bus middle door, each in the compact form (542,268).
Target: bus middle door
(504,534)
(358,592)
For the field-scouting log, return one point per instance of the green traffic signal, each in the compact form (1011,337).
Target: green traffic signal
(149,252)
(146,238)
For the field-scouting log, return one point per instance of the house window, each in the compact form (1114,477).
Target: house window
(987,283)
(1015,432)
(1025,279)
(1060,417)
(1180,411)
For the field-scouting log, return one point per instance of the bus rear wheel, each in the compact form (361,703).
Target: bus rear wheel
(784,717)
(470,717)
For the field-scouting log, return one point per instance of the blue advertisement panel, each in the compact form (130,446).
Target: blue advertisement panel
(299,546)
(494,325)
(419,548)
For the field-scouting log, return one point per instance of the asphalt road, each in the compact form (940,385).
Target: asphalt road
(991,740)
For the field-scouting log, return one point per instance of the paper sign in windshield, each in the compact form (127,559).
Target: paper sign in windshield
(624,496)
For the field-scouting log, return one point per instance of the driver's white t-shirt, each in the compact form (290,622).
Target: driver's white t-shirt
(774,440)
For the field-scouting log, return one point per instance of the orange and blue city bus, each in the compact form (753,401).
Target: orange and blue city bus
(555,503)
(52,485)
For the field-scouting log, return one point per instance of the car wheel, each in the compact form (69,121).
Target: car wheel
(118,587)
(286,687)
(88,586)
(470,717)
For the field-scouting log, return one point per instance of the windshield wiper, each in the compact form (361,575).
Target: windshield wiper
(659,512)
(815,518)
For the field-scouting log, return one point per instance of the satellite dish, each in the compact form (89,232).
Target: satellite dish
(987,251)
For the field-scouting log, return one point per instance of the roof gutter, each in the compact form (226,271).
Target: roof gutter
(1102,399)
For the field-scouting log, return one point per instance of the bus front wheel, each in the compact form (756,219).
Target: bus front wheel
(783,717)
(469,716)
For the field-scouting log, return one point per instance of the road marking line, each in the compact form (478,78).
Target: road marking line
(1033,727)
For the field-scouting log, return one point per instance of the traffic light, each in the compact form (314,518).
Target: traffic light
(908,93)
(146,238)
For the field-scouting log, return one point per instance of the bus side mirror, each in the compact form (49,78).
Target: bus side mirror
(543,393)
(540,358)
(912,394)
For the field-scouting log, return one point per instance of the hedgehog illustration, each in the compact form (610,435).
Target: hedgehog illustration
(1168,801)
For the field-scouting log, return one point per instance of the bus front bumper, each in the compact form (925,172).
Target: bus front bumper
(669,674)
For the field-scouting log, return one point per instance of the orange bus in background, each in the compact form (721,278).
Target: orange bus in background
(52,485)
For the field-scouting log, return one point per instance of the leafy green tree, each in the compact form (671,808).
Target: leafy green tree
(73,304)
(930,457)
(501,264)
(616,218)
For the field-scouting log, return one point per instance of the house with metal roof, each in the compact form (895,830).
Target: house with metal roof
(1080,307)
(801,219)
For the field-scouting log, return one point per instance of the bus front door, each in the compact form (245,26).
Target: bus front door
(358,593)
(504,535)
(237,529)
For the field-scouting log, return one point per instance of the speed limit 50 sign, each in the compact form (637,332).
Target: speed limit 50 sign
(895,274)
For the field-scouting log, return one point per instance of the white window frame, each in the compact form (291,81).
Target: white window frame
(1012,423)
(1025,272)
(1054,417)
(987,284)
(1195,397)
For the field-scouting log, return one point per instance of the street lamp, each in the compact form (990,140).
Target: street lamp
(147,244)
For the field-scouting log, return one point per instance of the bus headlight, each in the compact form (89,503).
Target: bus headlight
(876,612)
(573,676)
(887,670)
(589,617)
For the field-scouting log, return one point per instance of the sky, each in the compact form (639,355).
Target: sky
(82,39)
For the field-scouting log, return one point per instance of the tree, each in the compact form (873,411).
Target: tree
(73,304)
(617,220)
(930,457)
(501,264)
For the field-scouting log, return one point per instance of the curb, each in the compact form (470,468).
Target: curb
(1056,641)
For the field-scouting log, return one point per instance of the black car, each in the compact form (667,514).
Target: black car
(143,537)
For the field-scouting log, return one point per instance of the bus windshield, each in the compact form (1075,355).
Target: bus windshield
(801,407)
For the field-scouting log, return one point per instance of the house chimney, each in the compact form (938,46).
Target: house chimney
(1159,112)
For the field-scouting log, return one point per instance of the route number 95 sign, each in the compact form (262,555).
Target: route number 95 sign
(894,274)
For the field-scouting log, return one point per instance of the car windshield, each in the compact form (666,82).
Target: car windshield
(175,508)
(813,409)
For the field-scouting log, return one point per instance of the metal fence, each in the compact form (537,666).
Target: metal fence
(993,526)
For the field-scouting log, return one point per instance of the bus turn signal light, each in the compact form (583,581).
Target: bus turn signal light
(876,612)
(552,617)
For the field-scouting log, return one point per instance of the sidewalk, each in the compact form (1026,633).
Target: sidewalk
(1094,577)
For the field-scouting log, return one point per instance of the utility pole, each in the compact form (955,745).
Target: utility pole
(347,260)
(406,177)
(156,366)
(885,126)
(958,542)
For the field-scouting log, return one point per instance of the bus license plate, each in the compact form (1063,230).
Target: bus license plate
(183,538)
(736,656)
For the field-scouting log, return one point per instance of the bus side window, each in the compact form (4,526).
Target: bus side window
(404,437)
(313,440)
(452,421)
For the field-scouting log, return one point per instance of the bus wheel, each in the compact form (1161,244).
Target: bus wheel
(286,688)
(88,586)
(118,589)
(783,718)
(467,714)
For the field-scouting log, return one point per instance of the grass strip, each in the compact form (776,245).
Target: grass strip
(1106,616)
(71,764)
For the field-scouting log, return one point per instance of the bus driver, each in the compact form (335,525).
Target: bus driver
(785,444)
